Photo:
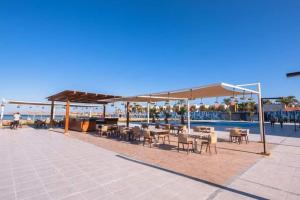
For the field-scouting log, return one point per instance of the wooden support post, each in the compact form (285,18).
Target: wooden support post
(52,114)
(127,114)
(104,111)
(67,117)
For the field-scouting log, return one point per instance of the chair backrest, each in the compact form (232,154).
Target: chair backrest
(157,125)
(182,138)
(136,130)
(182,127)
(235,132)
(146,133)
(213,138)
(245,131)
(104,128)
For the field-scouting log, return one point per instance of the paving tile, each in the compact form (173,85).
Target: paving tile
(62,192)
(76,196)
(24,194)
(34,159)
(95,193)
(42,196)
(27,185)
(6,192)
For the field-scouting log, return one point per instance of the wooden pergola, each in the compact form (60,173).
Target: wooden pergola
(71,96)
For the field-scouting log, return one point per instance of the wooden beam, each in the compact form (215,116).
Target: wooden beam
(127,114)
(67,117)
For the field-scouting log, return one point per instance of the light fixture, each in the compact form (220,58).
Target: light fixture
(250,98)
(201,103)
(243,97)
(233,96)
(167,103)
(216,102)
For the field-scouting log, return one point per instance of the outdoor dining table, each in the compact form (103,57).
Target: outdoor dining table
(158,131)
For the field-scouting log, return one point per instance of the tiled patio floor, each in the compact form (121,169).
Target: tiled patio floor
(232,159)
(41,164)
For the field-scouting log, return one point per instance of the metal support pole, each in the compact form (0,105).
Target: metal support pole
(295,121)
(260,112)
(263,130)
(188,112)
(148,112)
(127,114)
(2,114)
(52,114)
(67,118)
(104,111)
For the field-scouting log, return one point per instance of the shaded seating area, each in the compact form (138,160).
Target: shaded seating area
(162,134)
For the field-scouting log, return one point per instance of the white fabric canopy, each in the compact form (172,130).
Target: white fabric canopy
(213,90)
(208,91)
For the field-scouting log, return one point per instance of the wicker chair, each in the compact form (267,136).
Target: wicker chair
(147,137)
(103,130)
(245,135)
(166,135)
(123,132)
(182,129)
(183,139)
(235,135)
(212,141)
(136,133)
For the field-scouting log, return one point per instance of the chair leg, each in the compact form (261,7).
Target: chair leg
(206,147)
(178,147)
(216,149)
(188,148)
(201,147)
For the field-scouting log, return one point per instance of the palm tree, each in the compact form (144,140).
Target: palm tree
(181,110)
(166,110)
(288,101)
(250,107)
(227,102)
(154,113)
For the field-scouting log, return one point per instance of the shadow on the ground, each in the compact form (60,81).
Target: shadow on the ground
(246,194)
(239,150)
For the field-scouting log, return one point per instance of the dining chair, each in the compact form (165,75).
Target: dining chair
(185,140)
(211,141)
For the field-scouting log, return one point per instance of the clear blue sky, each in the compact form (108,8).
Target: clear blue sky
(136,47)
